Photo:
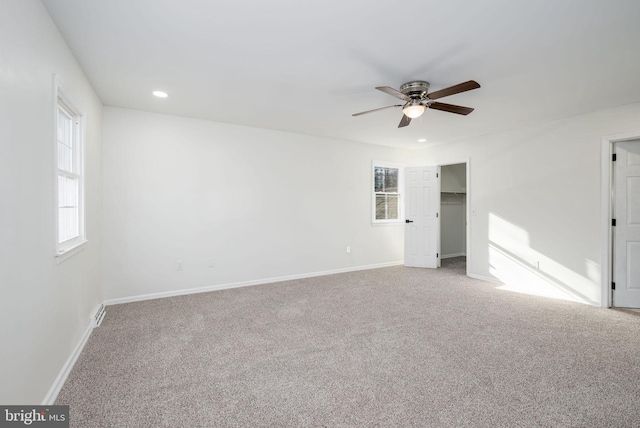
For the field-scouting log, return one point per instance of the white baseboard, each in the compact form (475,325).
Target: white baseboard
(51,396)
(206,289)
(448,256)
(485,278)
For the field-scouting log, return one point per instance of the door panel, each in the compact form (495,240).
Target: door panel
(633,265)
(633,204)
(422,187)
(626,233)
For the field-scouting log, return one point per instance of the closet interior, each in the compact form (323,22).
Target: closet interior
(453,202)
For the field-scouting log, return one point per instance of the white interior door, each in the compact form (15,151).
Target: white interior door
(626,233)
(422,228)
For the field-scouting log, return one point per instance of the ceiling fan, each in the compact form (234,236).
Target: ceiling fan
(417,100)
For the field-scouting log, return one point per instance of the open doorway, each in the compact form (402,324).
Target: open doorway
(454,216)
(437,216)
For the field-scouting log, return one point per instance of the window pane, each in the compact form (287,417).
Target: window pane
(64,157)
(387,207)
(391,180)
(381,207)
(386,179)
(392,207)
(386,192)
(65,141)
(60,133)
(68,220)
(67,130)
(378,179)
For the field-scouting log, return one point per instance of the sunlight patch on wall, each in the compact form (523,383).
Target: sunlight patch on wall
(522,269)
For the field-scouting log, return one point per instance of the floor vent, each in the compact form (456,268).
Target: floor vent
(98,317)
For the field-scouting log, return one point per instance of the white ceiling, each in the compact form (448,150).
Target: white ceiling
(306,66)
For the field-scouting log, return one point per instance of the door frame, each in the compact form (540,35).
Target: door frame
(606,205)
(467,162)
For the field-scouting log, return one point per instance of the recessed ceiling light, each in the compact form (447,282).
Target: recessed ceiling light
(422,140)
(160,94)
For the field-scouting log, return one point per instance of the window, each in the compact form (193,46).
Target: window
(69,174)
(387,192)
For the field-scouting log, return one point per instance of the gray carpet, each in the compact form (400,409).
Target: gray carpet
(386,347)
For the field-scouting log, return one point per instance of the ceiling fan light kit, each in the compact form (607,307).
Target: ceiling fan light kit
(413,109)
(417,99)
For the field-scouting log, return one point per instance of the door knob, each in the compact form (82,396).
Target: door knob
(408,221)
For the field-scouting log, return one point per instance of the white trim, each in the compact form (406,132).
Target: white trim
(51,396)
(384,223)
(65,254)
(450,256)
(485,278)
(209,288)
(469,218)
(606,181)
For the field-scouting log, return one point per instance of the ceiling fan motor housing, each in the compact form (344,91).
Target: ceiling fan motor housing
(416,89)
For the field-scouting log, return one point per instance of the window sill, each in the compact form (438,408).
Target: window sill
(70,252)
(387,223)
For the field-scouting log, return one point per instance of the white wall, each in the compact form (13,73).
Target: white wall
(535,198)
(44,307)
(261,203)
(453,178)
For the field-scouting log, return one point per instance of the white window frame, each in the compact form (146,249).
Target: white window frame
(400,193)
(62,99)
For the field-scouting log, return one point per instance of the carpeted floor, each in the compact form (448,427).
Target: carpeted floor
(386,347)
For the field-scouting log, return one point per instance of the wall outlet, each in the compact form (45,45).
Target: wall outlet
(348,250)
(179,265)
(211,263)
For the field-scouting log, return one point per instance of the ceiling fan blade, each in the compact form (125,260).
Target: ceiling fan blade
(404,121)
(455,89)
(389,90)
(451,108)
(375,109)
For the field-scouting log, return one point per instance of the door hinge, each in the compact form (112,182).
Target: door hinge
(437,175)
(436,215)
(613,222)
(613,285)
(437,255)
(614,158)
